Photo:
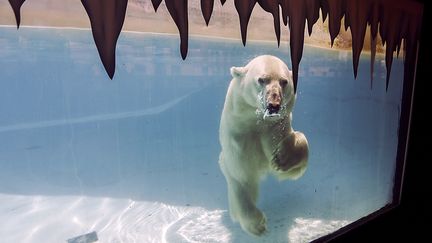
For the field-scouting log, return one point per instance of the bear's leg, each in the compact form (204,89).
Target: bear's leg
(291,157)
(242,199)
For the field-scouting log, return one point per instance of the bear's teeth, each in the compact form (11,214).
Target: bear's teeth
(267,114)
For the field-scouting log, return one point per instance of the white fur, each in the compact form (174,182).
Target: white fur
(252,144)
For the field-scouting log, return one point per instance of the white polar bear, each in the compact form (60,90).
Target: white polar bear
(256,136)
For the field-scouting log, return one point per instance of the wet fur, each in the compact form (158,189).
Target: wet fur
(252,145)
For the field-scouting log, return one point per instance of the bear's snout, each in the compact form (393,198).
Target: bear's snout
(273,99)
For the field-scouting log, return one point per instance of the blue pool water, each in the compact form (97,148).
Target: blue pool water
(135,158)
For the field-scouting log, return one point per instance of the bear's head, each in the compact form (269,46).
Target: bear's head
(266,84)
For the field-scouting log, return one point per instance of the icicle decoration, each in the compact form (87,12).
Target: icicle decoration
(394,20)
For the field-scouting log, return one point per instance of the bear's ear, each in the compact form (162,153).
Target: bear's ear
(238,72)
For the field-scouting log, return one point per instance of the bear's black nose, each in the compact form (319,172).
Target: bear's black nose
(273,108)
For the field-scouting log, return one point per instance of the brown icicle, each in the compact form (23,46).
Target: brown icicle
(273,8)
(207,9)
(373,22)
(16,7)
(402,32)
(244,9)
(324,9)
(389,27)
(312,13)
(296,23)
(356,17)
(373,18)
(156,4)
(284,5)
(106,18)
(178,10)
(336,10)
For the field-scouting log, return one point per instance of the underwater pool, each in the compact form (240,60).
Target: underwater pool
(134,159)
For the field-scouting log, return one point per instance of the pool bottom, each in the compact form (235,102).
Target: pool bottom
(58,218)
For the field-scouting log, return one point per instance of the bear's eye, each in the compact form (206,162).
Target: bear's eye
(263,81)
(283,83)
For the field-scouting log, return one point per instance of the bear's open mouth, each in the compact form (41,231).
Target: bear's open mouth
(271,111)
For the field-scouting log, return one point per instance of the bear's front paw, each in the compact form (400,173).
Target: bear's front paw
(290,152)
(282,161)
(256,224)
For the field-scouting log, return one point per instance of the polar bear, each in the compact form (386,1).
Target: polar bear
(257,138)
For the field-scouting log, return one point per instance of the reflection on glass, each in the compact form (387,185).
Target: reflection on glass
(135,158)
